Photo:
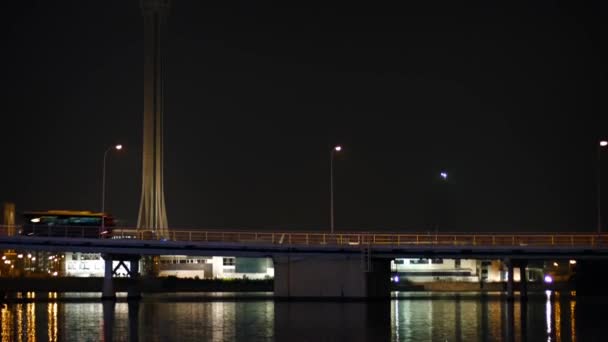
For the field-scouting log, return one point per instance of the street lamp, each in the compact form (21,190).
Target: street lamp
(441,201)
(602,144)
(103,183)
(332,153)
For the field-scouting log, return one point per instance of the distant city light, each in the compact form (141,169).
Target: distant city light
(35,220)
(555,264)
(55,274)
(572,262)
(20,256)
(603,143)
(548,279)
(444,175)
(396,279)
(118,147)
(338,148)
(33,258)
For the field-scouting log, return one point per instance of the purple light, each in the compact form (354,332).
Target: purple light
(548,279)
(444,175)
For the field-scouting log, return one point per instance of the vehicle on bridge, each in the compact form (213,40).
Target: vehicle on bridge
(67,223)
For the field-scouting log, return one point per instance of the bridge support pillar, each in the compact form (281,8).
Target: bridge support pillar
(108,279)
(134,292)
(510,277)
(523,280)
(131,270)
(331,276)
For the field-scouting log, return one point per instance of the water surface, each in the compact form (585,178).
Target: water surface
(411,316)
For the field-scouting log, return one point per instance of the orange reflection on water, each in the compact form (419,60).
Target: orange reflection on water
(495,312)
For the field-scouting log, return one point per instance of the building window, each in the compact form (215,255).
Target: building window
(228,262)
(419,261)
(437,261)
(457,263)
(399,261)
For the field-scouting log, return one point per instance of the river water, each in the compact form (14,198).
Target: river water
(410,316)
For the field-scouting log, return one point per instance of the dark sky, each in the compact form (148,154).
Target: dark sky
(509,99)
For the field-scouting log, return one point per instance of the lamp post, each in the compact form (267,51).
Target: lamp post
(332,153)
(442,201)
(602,144)
(103,183)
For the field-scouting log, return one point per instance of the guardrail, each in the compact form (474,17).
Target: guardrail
(320,239)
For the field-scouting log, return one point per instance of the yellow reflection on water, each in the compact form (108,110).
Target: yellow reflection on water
(31,322)
(52,321)
(19,322)
(7,325)
(517,317)
(573,320)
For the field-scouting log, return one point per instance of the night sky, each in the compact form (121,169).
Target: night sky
(509,99)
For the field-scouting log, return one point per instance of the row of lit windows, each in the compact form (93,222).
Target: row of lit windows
(183,261)
(419,261)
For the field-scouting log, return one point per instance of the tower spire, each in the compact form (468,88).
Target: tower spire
(152,212)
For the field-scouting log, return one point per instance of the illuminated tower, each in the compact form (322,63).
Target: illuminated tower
(152,213)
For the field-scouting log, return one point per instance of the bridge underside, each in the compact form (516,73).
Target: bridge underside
(333,276)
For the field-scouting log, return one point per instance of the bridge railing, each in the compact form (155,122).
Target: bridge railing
(387,239)
(316,238)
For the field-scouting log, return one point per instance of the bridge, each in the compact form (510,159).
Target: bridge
(314,264)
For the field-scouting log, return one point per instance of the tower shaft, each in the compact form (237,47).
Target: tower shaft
(152,212)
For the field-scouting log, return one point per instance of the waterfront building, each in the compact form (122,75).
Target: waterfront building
(421,270)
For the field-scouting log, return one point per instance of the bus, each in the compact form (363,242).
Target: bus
(67,223)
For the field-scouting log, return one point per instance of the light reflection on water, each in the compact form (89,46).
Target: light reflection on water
(409,317)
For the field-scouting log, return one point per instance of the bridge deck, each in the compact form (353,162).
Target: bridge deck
(318,239)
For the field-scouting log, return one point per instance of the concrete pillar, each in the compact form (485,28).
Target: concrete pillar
(134,288)
(108,280)
(133,320)
(510,321)
(523,319)
(523,281)
(510,277)
(330,276)
(108,320)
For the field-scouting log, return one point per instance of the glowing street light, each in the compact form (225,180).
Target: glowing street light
(103,182)
(443,175)
(332,153)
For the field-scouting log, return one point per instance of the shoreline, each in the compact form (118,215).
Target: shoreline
(154,285)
